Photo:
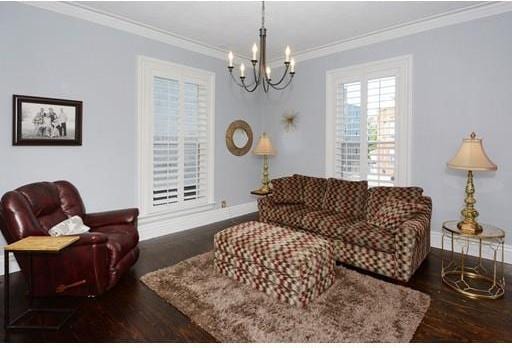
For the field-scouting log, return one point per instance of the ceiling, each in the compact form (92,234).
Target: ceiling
(302,25)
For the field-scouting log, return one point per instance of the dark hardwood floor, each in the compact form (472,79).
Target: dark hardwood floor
(131,312)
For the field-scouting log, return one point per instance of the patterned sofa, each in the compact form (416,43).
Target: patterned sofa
(385,230)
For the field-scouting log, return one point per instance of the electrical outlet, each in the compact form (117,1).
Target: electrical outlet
(223,204)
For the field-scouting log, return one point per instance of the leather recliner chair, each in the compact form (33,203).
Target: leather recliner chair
(88,267)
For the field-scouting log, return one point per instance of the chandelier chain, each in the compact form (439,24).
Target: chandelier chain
(263,14)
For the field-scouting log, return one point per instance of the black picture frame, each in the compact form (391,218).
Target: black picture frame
(45,132)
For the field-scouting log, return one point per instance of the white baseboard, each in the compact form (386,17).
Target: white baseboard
(152,229)
(435,241)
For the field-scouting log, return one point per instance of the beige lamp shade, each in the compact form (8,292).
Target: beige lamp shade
(471,156)
(264,146)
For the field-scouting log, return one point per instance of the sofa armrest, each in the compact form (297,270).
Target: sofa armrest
(113,217)
(265,206)
(265,201)
(412,242)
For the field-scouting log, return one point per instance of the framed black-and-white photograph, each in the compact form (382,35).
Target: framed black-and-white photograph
(46,121)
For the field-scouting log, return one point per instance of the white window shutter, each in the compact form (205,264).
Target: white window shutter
(166,149)
(176,127)
(368,109)
(180,141)
(381,126)
(348,131)
(195,142)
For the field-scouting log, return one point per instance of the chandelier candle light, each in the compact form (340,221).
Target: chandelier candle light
(262,72)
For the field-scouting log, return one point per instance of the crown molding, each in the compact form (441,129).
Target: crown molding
(425,24)
(121,23)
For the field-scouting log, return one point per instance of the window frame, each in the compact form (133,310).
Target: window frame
(148,68)
(401,67)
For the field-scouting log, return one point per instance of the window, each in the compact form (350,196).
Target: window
(176,136)
(367,122)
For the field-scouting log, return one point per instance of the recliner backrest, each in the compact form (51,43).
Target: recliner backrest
(34,208)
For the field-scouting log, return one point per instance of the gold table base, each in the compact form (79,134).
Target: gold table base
(458,281)
(477,279)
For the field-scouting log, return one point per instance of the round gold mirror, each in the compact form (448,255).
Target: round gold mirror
(239,138)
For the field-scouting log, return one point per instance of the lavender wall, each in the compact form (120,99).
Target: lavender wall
(47,54)
(462,81)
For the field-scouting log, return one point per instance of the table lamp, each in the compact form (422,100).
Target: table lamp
(264,148)
(471,157)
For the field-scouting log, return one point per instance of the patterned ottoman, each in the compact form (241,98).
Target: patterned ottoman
(293,266)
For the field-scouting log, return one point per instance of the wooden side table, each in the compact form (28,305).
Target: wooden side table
(40,245)
(480,279)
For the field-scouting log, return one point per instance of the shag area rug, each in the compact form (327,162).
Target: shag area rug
(357,308)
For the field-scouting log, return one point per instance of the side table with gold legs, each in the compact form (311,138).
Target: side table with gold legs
(480,278)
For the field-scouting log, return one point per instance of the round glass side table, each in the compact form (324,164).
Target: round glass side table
(475,277)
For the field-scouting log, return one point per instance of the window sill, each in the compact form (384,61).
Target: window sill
(174,213)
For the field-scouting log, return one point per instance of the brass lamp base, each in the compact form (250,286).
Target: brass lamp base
(265,181)
(469,227)
(469,213)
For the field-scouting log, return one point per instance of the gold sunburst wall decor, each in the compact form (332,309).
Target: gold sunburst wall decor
(289,120)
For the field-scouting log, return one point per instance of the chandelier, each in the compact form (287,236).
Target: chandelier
(261,72)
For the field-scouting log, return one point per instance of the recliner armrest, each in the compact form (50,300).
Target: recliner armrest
(90,238)
(113,217)
(80,269)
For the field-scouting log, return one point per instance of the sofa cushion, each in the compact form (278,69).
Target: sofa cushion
(368,236)
(394,212)
(313,191)
(287,214)
(347,197)
(377,196)
(287,190)
(326,223)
